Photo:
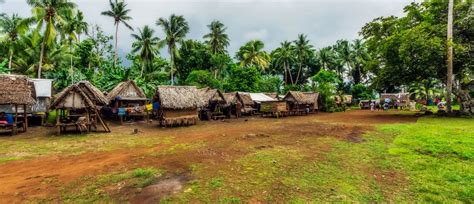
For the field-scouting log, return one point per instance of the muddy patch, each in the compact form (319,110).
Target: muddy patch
(255,136)
(164,188)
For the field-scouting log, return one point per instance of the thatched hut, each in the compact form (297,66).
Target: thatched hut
(15,94)
(273,95)
(94,94)
(233,106)
(214,103)
(128,100)
(178,105)
(297,102)
(77,106)
(344,100)
(315,98)
(246,101)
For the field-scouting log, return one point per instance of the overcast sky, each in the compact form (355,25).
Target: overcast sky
(272,21)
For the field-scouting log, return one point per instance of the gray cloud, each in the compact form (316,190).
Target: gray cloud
(272,21)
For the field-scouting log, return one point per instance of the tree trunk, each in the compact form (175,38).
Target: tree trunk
(10,62)
(172,65)
(449,77)
(70,58)
(299,72)
(41,60)
(116,42)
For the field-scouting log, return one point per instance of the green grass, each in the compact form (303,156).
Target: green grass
(24,148)
(102,187)
(438,156)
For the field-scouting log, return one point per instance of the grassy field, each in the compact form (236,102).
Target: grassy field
(431,160)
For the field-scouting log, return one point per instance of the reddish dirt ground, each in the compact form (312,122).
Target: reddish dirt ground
(43,177)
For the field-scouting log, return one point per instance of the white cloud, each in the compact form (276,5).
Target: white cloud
(260,34)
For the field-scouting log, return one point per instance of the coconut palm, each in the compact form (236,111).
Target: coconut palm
(252,54)
(284,57)
(118,11)
(217,39)
(344,54)
(81,26)
(69,35)
(49,15)
(12,27)
(359,55)
(303,51)
(326,57)
(147,44)
(175,29)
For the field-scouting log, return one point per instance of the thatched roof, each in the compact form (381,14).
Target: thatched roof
(261,97)
(72,97)
(127,90)
(179,97)
(15,89)
(211,95)
(313,97)
(93,93)
(230,98)
(245,98)
(299,97)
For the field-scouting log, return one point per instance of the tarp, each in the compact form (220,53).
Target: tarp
(43,87)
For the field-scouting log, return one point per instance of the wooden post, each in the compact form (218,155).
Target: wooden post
(58,116)
(14,128)
(25,119)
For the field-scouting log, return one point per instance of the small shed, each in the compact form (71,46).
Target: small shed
(76,106)
(298,102)
(213,102)
(313,96)
(178,105)
(14,94)
(128,100)
(248,106)
(233,106)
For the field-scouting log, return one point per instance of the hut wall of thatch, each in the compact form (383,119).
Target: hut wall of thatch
(178,105)
(273,106)
(299,101)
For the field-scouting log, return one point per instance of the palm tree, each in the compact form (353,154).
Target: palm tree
(81,25)
(217,39)
(147,45)
(69,34)
(49,15)
(284,57)
(175,29)
(118,11)
(344,55)
(449,83)
(326,57)
(252,54)
(303,51)
(12,27)
(359,55)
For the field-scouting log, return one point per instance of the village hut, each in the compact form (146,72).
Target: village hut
(273,95)
(297,102)
(128,100)
(15,96)
(77,106)
(214,103)
(344,100)
(41,91)
(248,106)
(233,106)
(178,105)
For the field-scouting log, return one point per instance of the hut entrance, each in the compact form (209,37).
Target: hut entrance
(128,101)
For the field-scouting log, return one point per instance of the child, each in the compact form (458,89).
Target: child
(372,106)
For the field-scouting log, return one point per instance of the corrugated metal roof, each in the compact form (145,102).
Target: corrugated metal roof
(259,97)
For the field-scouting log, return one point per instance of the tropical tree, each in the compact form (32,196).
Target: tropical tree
(359,55)
(252,54)
(49,15)
(344,55)
(118,11)
(175,29)
(450,55)
(326,57)
(12,27)
(68,34)
(303,51)
(81,26)
(284,57)
(217,39)
(147,44)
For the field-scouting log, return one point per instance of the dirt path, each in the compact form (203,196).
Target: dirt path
(43,177)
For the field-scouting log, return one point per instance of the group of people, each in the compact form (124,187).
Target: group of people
(385,106)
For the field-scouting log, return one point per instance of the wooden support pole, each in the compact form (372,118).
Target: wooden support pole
(25,119)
